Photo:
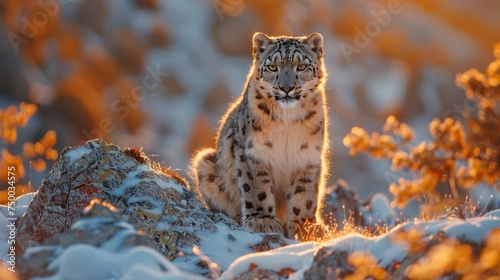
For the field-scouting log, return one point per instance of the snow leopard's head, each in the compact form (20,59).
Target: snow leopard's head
(288,69)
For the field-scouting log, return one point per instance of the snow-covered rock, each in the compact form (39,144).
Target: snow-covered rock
(155,200)
(390,254)
(100,245)
(99,226)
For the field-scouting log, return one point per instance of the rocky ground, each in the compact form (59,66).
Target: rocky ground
(105,212)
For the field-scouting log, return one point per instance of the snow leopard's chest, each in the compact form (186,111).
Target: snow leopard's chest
(286,149)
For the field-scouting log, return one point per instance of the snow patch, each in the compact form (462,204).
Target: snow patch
(493,214)
(74,154)
(293,256)
(222,248)
(381,210)
(88,262)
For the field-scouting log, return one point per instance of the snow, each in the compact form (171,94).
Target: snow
(381,210)
(75,154)
(143,272)
(391,254)
(270,260)
(383,248)
(474,229)
(133,178)
(20,205)
(493,214)
(88,262)
(220,249)
(114,244)
(41,248)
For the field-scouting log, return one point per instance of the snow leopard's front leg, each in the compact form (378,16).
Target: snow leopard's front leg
(257,196)
(302,200)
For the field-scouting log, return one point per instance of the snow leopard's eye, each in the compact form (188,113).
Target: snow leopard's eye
(272,68)
(301,67)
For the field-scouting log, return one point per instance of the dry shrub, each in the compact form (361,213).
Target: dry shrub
(453,257)
(38,153)
(461,153)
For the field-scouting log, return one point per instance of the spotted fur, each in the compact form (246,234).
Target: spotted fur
(269,166)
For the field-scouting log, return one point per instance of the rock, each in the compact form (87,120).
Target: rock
(342,205)
(264,274)
(269,242)
(155,200)
(329,264)
(100,225)
(346,212)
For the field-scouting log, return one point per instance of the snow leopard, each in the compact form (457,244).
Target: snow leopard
(269,166)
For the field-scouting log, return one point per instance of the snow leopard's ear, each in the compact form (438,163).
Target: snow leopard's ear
(260,42)
(315,42)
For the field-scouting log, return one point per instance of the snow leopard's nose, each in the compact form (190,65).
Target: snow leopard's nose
(286,89)
(286,81)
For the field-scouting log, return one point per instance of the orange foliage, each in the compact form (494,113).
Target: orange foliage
(452,256)
(10,160)
(11,119)
(413,238)
(459,154)
(365,267)
(38,153)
